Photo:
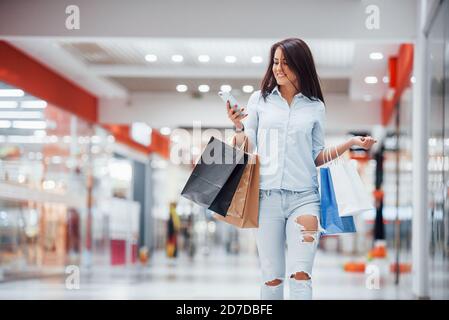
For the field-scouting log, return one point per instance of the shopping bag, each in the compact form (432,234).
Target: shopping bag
(360,192)
(244,209)
(330,219)
(215,177)
(350,193)
(237,206)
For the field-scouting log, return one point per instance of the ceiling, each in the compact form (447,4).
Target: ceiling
(123,62)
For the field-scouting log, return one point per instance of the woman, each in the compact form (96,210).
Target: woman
(285,121)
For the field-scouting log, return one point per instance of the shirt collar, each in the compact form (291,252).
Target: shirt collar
(276,91)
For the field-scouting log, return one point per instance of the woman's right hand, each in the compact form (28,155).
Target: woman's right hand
(235,116)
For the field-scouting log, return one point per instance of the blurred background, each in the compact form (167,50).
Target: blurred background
(98,105)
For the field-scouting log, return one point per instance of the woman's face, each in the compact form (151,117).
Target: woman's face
(281,70)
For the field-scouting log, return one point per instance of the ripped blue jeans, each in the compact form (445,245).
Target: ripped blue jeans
(278,229)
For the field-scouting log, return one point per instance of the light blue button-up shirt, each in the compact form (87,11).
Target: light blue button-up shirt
(287,139)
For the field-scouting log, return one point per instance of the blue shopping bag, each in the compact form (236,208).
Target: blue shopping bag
(330,219)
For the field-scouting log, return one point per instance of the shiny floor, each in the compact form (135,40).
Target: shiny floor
(215,276)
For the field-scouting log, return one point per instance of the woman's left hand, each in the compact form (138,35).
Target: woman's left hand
(364,142)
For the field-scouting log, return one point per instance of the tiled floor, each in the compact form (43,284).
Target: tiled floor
(218,276)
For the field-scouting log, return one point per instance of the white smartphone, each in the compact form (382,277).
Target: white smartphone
(227,96)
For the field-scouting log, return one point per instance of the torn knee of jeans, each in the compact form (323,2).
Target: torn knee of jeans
(273,283)
(306,234)
(300,275)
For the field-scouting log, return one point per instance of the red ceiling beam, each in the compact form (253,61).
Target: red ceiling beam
(22,71)
(400,70)
(159,143)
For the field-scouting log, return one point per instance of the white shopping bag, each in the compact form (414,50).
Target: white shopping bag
(365,201)
(350,192)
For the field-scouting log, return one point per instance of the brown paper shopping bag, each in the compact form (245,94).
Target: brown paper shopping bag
(244,209)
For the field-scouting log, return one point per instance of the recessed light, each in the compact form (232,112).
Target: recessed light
(181,88)
(230,59)
(248,89)
(5,124)
(385,79)
(34,104)
(226,88)
(11,93)
(8,104)
(165,131)
(256,59)
(203,58)
(40,133)
(20,114)
(29,125)
(151,57)
(376,56)
(371,79)
(203,88)
(177,58)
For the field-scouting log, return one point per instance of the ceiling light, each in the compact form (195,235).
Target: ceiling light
(20,115)
(29,125)
(11,93)
(376,56)
(230,59)
(385,79)
(248,89)
(8,104)
(413,79)
(181,88)
(34,104)
(226,88)
(203,88)
(151,57)
(5,124)
(177,58)
(165,131)
(40,133)
(256,59)
(203,58)
(371,80)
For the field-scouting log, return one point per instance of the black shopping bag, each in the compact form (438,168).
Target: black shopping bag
(216,176)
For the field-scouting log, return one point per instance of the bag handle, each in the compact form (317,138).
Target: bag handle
(327,156)
(244,145)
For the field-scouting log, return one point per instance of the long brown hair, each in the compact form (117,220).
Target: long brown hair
(300,60)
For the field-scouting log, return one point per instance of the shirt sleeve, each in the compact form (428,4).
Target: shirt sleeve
(318,132)
(251,122)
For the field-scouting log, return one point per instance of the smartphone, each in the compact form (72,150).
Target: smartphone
(227,96)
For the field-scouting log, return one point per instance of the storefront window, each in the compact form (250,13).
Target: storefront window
(56,170)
